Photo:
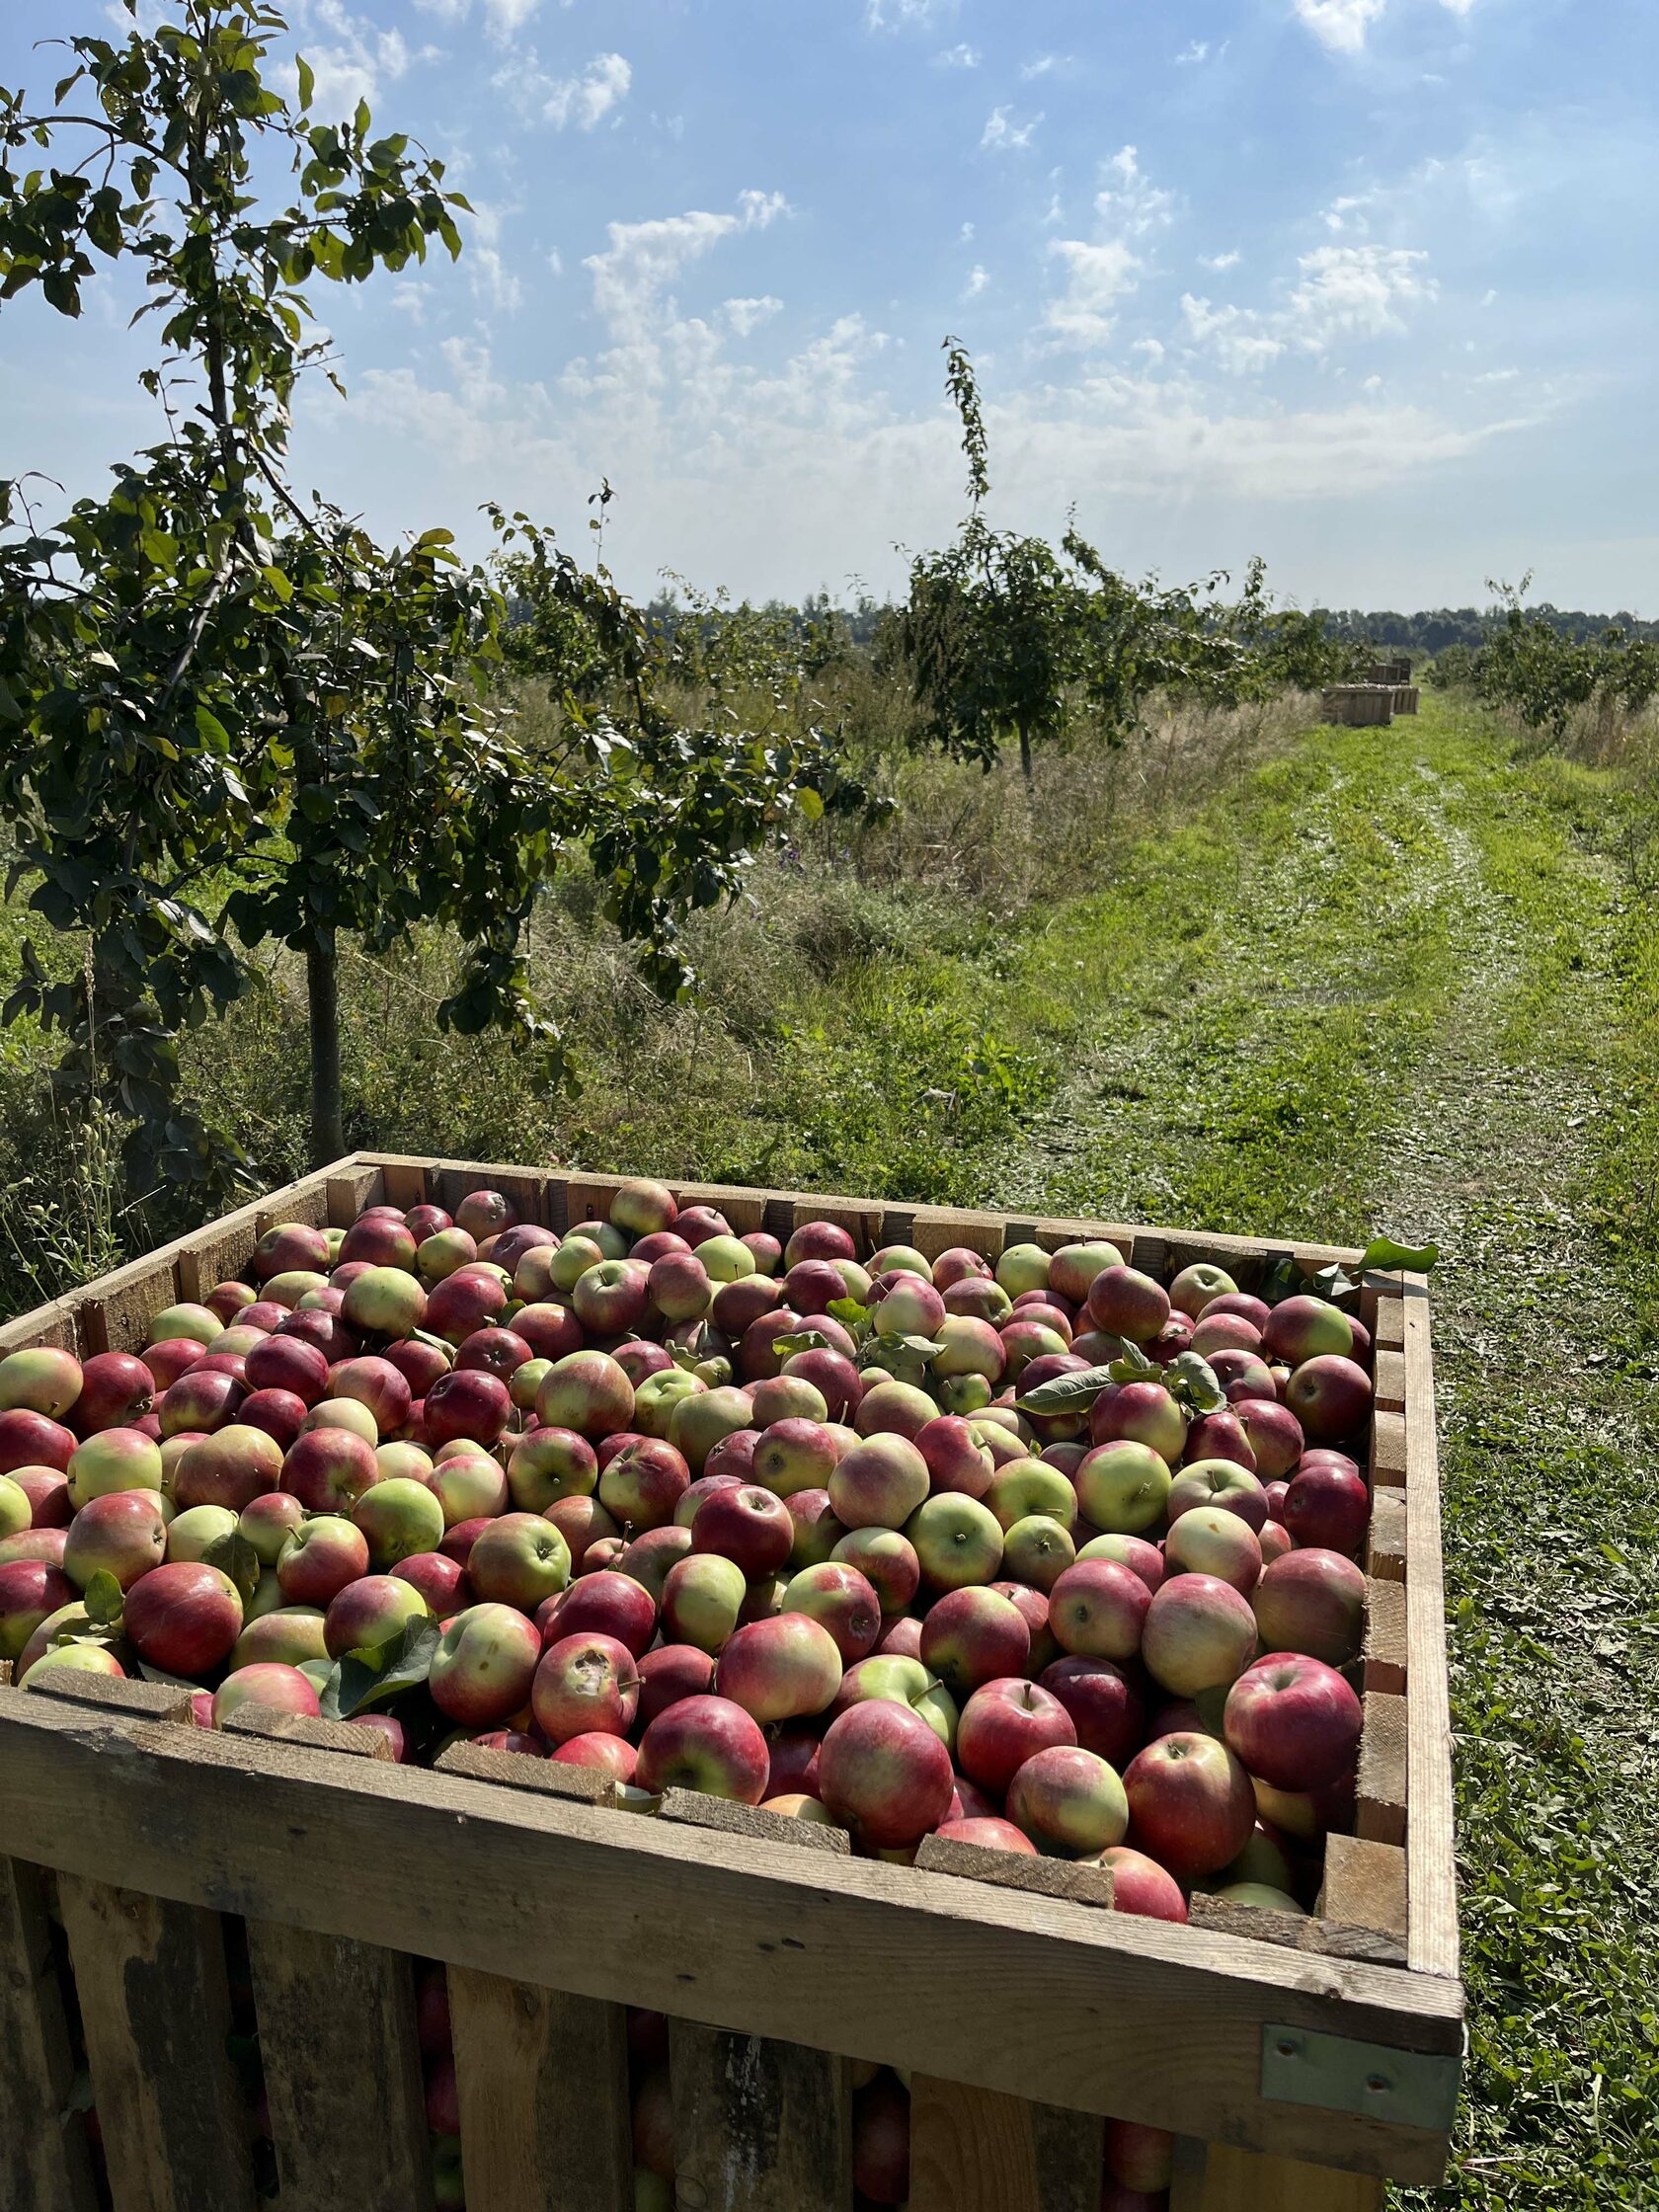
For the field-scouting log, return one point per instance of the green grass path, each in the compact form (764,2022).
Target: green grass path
(1392,983)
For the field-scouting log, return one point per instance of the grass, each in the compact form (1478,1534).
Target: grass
(1247,977)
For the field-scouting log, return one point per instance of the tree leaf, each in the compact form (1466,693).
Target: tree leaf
(103,1599)
(1382,1251)
(365,1680)
(235,1557)
(307,82)
(1066,1394)
(1190,1377)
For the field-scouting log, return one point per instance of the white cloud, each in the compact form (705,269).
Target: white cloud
(957,57)
(1153,349)
(1046,65)
(978,279)
(966,233)
(555,261)
(410,298)
(1190,56)
(1130,202)
(1097,278)
(1345,291)
(353,60)
(503,19)
(901,15)
(1003,136)
(1348,212)
(1458,7)
(1221,263)
(1340,25)
(746,315)
(583,101)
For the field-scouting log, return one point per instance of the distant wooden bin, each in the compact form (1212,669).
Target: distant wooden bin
(1298,2060)
(1359,706)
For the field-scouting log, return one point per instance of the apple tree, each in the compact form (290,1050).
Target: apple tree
(228,714)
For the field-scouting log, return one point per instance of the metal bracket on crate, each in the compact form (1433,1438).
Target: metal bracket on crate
(1336,2074)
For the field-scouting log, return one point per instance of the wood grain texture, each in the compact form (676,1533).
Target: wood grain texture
(543,2080)
(1038,1877)
(340,1737)
(971,2152)
(1215,2177)
(155,2010)
(1386,1540)
(341,2071)
(57,1324)
(223,1253)
(1329,1935)
(1389,1381)
(1386,1649)
(759,2125)
(1432,1867)
(110,1693)
(116,1312)
(1365,1885)
(1380,1813)
(44,2165)
(695,1809)
(452,1180)
(353,1190)
(1027,1994)
(1388,1449)
(405,1179)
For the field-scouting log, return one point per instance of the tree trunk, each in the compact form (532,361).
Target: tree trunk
(1025,752)
(322,981)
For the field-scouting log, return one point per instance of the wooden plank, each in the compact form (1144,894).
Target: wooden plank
(1388,1326)
(1388,1449)
(976,2152)
(695,1809)
(155,2010)
(108,1694)
(1380,1806)
(223,1253)
(350,1191)
(1038,1877)
(1389,1381)
(453,1180)
(759,2125)
(543,2083)
(1432,1872)
(1215,2177)
(340,1736)
(45,2166)
(305,1201)
(1365,1885)
(1326,1936)
(406,1181)
(1384,1653)
(944,1229)
(337,2041)
(517,1770)
(860,1218)
(57,1324)
(1031,1996)
(116,1311)
(1386,1542)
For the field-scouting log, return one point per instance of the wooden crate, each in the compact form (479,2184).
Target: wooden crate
(1297,2060)
(1359,706)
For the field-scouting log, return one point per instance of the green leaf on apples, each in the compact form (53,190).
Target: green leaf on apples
(161,1674)
(801,1340)
(1334,1283)
(1382,1251)
(1191,1379)
(103,1599)
(1281,1280)
(1066,1394)
(367,1679)
(849,1313)
(685,1359)
(1132,1365)
(236,1558)
(921,1348)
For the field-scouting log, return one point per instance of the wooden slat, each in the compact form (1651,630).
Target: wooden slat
(543,2080)
(44,2165)
(978,2152)
(1386,1543)
(155,2010)
(341,2071)
(351,1190)
(1385,1637)
(453,1180)
(514,1770)
(1031,1996)
(1325,1938)
(1387,1328)
(223,1253)
(340,1736)
(405,1179)
(1388,1449)
(1365,1885)
(693,1809)
(1380,1808)
(57,1324)
(759,2125)
(305,1202)
(1432,1870)
(1038,1877)
(1215,2177)
(942,1228)
(109,1693)
(1389,1381)
(115,1313)
(1053,1233)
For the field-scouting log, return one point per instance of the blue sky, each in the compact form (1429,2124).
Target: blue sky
(1366,286)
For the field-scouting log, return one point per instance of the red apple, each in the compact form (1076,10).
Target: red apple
(1313,1601)
(116,1390)
(1199,1635)
(1098,1608)
(320,1558)
(884,1773)
(1069,1801)
(1218,1482)
(231,1467)
(1293,1721)
(990,1832)
(786,1668)
(670,1672)
(1139,1885)
(441,1582)
(972,1636)
(483,1665)
(841,1599)
(584,1683)
(328,1469)
(585,1391)
(267,1683)
(1327,1507)
(1330,1397)
(704,1743)
(1274,1436)
(1302,1328)
(1004,1724)
(642,1484)
(183,1617)
(748,1526)
(369,1614)
(124,1534)
(1106,1704)
(1191,1805)
(606,1605)
(1125,1303)
(1142,1413)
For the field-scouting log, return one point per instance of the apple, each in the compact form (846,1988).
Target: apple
(1073,1269)
(831,1373)
(957,1540)
(1223,1332)
(550,1463)
(888,1562)
(485,1665)
(1208,1539)
(1123,1301)
(468,1487)
(230,1300)
(884,1774)
(726,1258)
(122,1532)
(704,1743)
(30,1591)
(956,1460)
(46,1545)
(641,1485)
(584,1683)
(1330,1397)
(231,1467)
(972,1636)
(1069,1801)
(1199,1635)
(907,1682)
(703,1596)
(1098,1610)
(1274,1435)
(732,1458)
(961,1264)
(113,1460)
(1022,1486)
(794,1453)
(186,1320)
(1292,1721)
(787,1397)
(17,1512)
(1004,1724)
(369,1614)
(1195,1287)
(816,1529)
(1123,1486)
(1327,1507)
(902,1639)
(1139,1885)
(1144,1413)
(1140,2159)
(350,1414)
(178,1355)
(319,1559)
(328,1469)
(1191,1805)
(376,1384)
(890,1408)
(1220,1436)
(747,1525)
(519,1560)
(267,1683)
(670,1672)
(978,1299)
(1302,1328)
(785,1668)
(1313,1601)
(989,1832)
(191,1535)
(648,1558)
(289,1637)
(699,1423)
(384,1302)
(606,1604)
(183,1617)
(818,1240)
(1105,1702)
(969,1345)
(441,1253)
(1038,1551)
(1244,1377)
(842,1602)
(1218,1482)
(280,1413)
(467,1404)
(115,1390)
(441,1582)
(880,1482)
(399,1517)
